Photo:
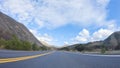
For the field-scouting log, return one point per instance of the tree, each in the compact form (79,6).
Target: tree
(26,45)
(103,49)
(35,47)
(2,43)
(80,47)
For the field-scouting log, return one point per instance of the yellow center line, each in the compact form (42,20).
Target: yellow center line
(5,60)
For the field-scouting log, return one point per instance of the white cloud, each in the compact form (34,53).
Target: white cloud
(84,36)
(44,38)
(39,22)
(101,34)
(66,43)
(103,2)
(56,13)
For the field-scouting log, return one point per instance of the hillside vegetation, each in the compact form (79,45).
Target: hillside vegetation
(112,43)
(17,44)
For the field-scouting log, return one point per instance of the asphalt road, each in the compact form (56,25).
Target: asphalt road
(12,54)
(60,59)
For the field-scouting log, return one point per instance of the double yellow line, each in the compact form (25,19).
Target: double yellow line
(6,60)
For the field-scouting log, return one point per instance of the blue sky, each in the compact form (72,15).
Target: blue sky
(66,22)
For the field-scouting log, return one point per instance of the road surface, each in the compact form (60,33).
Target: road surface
(61,59)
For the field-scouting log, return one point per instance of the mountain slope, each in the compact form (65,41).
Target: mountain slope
(113,41)
(10,27)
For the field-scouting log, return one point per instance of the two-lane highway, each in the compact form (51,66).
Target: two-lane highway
(61,59)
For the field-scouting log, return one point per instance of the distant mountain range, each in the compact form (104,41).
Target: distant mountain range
(10,27)
(110,43)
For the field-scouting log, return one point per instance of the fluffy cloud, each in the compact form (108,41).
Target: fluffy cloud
(84,36)
(101,34)
(56,13)
(44,38)
(66,43)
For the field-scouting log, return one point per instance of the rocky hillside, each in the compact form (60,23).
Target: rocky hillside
(113,41)
(10,27)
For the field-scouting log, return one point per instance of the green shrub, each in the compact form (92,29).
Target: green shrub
(35,47)
(103,49)
(80,47)
(2,43)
